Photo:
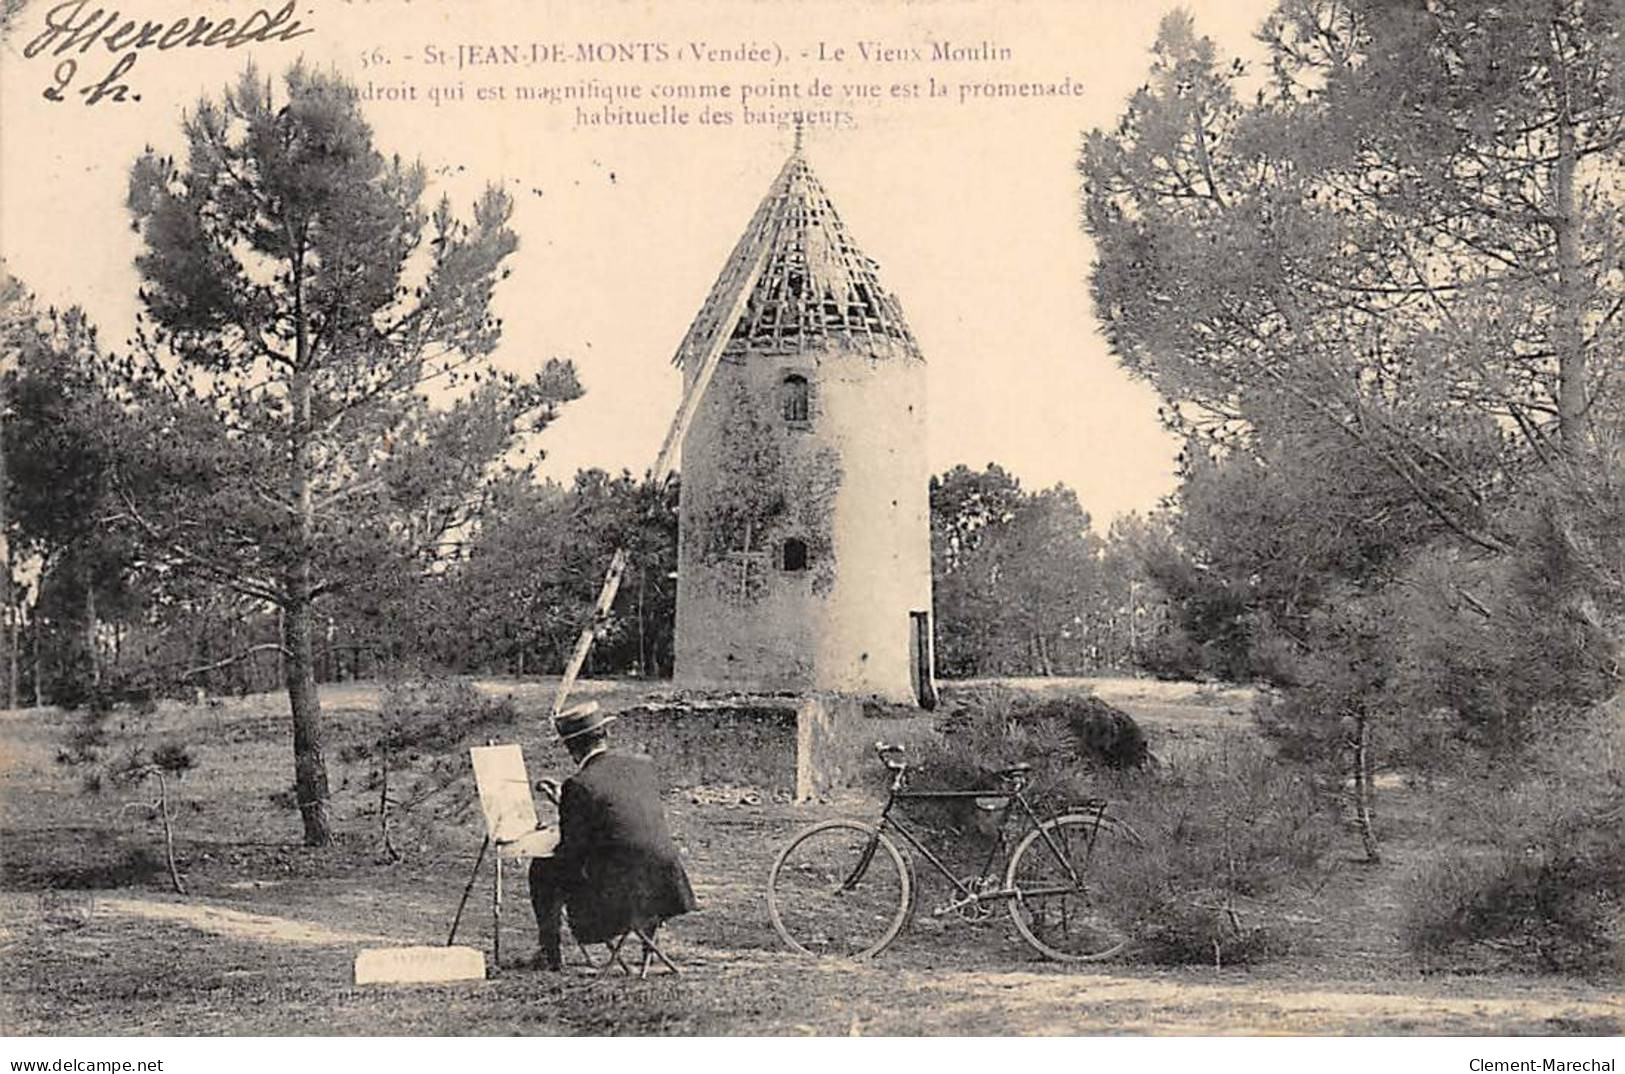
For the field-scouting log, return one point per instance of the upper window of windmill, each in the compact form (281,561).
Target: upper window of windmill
(793,398)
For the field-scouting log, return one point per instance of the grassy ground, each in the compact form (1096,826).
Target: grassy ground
(94,942)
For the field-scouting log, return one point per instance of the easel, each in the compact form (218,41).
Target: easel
(506,817)
(510,824)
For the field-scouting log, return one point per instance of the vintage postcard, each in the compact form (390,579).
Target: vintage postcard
(954,518)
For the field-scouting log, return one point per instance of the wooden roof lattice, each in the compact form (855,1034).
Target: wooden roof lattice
(815,284)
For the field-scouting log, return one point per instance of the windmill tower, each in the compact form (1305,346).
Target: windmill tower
(804,557)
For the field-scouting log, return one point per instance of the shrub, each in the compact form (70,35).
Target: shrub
(414,754)
(423,718)
(1536,880)
(1065,739)
(1504,661)
(1222,840)
(173,758)
(85,741)
(980,732)
(1099,732)
(134,765)
(437,715)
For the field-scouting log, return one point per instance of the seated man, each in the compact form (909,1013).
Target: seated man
(615,866)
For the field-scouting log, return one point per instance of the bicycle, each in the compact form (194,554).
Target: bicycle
(842,887)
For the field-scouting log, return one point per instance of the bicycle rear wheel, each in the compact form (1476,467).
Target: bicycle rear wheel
(840,888)
(1060,874)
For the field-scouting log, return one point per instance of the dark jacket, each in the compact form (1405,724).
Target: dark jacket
(616,847)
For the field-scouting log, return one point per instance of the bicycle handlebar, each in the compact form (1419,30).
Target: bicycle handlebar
(894,764)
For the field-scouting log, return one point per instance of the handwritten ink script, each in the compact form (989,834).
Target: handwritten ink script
(70,27)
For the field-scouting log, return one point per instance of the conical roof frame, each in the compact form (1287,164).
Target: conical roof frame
(815,284)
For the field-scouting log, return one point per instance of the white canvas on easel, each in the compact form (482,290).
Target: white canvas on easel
(510,825)
(505,799)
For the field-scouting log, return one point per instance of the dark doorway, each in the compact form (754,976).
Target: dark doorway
(920,660)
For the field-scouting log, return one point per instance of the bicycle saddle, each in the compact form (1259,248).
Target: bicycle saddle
(1012,771)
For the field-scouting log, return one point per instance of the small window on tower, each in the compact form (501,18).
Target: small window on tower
(795,554)
(794,396)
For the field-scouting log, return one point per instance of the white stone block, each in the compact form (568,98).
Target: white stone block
(418,965)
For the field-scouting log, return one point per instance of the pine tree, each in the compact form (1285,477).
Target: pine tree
(316,388)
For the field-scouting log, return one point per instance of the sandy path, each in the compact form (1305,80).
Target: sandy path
(1016,1001)
(1136,1005)
(238,924)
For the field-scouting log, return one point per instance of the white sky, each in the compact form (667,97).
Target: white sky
(971,210)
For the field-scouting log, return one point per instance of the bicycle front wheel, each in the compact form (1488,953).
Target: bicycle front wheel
(1059,875)
(840,888)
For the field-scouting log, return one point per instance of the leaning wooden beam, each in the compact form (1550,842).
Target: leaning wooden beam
(666,461)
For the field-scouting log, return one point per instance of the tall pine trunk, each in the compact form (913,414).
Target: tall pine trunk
(643,643)
(1568,333)
(299,666)
(14,646)
(14,627)
(13,608)
(93,656)
(39,686)
(309,766)
(1364,788)
(1568,339)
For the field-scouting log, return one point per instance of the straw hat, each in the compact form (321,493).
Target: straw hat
(579,720)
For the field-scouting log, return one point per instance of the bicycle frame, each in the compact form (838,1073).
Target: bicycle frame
(820,902)
(1013,797)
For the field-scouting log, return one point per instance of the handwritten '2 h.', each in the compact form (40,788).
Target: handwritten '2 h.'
(68,27)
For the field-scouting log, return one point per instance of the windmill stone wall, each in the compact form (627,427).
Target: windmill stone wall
(804,549)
